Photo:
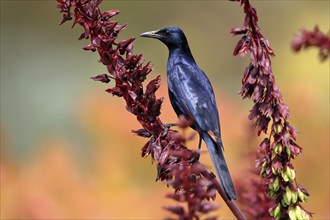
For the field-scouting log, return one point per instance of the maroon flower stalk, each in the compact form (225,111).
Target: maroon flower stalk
(315,38)
(193,185)
(270,112)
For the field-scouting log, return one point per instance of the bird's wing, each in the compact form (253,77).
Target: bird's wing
(192,89)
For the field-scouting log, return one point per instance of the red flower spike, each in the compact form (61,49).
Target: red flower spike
(276,151)
(175,163)
(315,38)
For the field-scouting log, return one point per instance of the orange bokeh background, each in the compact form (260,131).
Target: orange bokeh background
(67,151)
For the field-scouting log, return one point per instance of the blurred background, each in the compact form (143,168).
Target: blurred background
(67,151)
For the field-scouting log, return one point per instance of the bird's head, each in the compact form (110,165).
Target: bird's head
(172,37)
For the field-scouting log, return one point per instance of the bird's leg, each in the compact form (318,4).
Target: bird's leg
(167,127)
(197,154)
(170,125)
(200,142)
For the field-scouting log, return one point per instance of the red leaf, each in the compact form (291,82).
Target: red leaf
(110,13)
(102,78)
(152,86)
(178,210)
(237,31)
(115,91)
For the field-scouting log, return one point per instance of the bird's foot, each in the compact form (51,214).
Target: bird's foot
(166,128)
(195,157)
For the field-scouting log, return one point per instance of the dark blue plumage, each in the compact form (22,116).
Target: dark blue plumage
(191,95)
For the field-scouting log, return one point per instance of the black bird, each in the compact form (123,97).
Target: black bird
(191,95)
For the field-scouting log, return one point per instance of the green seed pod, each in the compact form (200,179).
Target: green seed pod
(263,167)
(287,171)
(288,151)
(300,195)
(284,201)
(277,128)
(292,213)
(277,149)
(264,164)
(293,174)
(276,184)
(272,194)
(277,210)
(270,187)
(294,197)
(290,173)
(288,194)
(298,213)
(285,177)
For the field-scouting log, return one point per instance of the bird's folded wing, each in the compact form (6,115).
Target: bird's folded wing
(193,91)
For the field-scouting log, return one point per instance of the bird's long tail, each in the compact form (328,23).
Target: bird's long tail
(220,165)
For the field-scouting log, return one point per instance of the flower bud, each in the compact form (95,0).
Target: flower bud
(301,214)
(285,201)
(288,194)
(277,128)
(288,151)
(277,210)
(290,173)
(285,177)
(292,213)
(277,149)
(274,186)
(294,197)
(303,197)
(263,167)
(298,213)
(272,194)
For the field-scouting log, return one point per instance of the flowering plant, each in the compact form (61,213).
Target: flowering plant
(285,195)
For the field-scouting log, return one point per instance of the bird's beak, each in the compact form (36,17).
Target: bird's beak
(151,34)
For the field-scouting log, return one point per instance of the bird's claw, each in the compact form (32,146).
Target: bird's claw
(195,157)
(166,129)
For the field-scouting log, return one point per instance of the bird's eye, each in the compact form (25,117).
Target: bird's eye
(167,32)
